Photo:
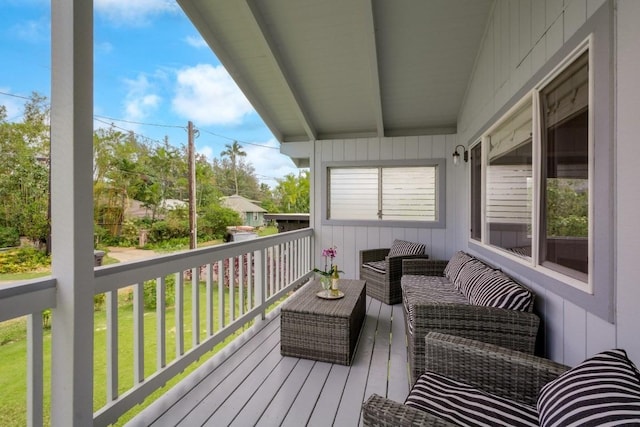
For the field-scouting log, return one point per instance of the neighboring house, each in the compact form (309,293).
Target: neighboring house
(137,209)
(250,213)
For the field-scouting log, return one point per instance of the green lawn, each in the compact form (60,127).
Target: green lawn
(13,356)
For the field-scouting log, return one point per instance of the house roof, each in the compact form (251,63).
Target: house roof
(343,69)
(241,204)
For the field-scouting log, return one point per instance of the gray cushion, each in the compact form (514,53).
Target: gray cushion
(602,390)
(424,290)
(403,247)
(377,266)
(465,405)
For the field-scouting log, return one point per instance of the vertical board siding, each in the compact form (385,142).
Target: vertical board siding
(627,178)
(351,239)
(520,38)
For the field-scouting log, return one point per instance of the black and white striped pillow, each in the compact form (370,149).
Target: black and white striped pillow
(469,274)
(602,390)
(457,261)
(402,247)
(465,405)
(495,289)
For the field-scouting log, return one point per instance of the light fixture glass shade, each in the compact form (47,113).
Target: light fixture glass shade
(456,158)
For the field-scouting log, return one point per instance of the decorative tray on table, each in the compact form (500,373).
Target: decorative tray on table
(330,294)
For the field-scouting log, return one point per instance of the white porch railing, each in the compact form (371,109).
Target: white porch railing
(241,281)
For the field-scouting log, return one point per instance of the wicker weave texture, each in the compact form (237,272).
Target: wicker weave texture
(496,370)
(424,267)
(380,412)
(511,329)
(324,330)
(384,287)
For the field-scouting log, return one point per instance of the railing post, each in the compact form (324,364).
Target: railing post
(72,212)
(260,282)
(34,370)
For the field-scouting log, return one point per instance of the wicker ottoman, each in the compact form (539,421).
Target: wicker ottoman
(319,329)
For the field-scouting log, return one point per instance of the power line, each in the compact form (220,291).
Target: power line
(238,140)
(141,123)
(163,125)
(14,95)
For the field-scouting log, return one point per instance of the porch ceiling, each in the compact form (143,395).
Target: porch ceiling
(339,69)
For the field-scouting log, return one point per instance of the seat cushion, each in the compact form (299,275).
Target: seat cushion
(456,262)
(424,290)
(602,390)
(465,405)
(493,288)
(377,266)
(403,247)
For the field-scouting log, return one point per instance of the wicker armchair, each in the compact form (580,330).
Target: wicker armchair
(516,330)
(384,285)
(493,369)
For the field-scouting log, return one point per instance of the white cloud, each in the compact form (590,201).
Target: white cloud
(268,162)
(207,95)
(32,31)
(196,41)
(140,100)
(104,47)
(206,151)
(136,12)
(265,157)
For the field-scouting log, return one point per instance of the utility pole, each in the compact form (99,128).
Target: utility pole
(191,152)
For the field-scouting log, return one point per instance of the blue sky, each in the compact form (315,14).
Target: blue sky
(151,67)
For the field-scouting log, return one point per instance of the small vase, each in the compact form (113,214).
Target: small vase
(325,281)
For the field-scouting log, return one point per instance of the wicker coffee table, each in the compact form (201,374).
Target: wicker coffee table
(319,329)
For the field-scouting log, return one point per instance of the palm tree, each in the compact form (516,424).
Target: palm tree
(234,151)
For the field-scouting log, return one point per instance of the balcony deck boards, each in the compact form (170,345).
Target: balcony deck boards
(255,385)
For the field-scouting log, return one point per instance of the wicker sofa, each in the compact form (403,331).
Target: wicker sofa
(471,383)
(382,269)
(467,298)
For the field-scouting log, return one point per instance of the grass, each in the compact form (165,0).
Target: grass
(13,350)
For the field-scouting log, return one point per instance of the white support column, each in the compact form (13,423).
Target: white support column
(72,211)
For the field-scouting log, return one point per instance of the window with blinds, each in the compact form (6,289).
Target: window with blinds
(397,193)
(530,188)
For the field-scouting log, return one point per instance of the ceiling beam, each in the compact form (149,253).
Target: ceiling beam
(272,53)
(372,54)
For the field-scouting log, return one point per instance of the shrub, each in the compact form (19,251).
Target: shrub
(9,236)
(23,260)
(215,220)
(150,296)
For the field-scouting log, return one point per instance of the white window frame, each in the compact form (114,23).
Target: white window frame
(534,96)
(439,164)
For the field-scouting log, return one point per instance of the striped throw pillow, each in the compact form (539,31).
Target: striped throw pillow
(469,274)
(457,261)
(493,288)
(602,390)
(465,405)
(402,247)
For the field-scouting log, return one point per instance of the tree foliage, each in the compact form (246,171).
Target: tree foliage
(128,168)
(292,193)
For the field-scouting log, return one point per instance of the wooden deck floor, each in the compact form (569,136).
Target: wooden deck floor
(254,385)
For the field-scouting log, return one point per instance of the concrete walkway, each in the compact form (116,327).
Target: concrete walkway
(130,254)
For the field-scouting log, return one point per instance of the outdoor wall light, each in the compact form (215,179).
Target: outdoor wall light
(456,155)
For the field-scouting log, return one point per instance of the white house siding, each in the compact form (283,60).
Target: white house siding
(521,36)
(628,177)
(349,240)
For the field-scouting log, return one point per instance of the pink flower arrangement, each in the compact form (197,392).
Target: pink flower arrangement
(329,254)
